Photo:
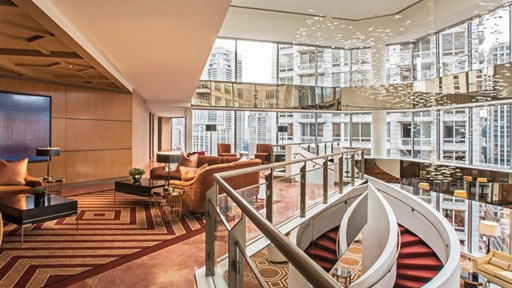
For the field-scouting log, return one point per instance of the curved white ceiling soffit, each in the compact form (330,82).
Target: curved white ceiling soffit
(158,48)
(325,22)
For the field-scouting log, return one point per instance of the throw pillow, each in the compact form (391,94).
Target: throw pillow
(189,161)
(499,263)
(188,173)
(13,173)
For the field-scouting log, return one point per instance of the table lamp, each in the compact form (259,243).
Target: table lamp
(48,152)
(168,158)
(489,229)
(211,128)
(460,194)
(281,130)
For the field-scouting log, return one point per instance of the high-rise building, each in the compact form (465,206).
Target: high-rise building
(221,65)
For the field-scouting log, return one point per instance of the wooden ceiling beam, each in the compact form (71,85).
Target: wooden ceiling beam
(8,65)
(25,41)
(25,28)
(37,65)
(38,54)
(70,77)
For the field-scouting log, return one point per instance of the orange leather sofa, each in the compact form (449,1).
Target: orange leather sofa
(30,183)
(158,173)
(194,197)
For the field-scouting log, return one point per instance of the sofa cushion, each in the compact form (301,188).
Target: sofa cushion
(500,263)
(188,173)
(490,269)
(505,276)
(13,173)
(503,256)
(188,161)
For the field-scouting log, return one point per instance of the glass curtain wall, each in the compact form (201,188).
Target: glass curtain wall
(203,140)
(455,138)
(257,61)
(361,130)
(361,67)
(178,134)
(453,50)
(254,127)
(491,135)
(221,64)
(398,63)
(400,134)
(424,58)
(424,133)
(490,39)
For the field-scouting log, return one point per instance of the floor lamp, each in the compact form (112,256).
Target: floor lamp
(281,130)
(48,152)
(211,128)
(489,229)
(168,158)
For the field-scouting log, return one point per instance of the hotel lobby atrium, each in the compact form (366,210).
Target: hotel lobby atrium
(255,143)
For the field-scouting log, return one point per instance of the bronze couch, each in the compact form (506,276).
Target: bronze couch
(30,183)
(158,173)
(194,197)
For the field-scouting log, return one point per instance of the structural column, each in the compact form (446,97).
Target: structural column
(379,134)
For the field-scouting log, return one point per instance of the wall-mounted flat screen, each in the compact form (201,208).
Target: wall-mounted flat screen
(25,125)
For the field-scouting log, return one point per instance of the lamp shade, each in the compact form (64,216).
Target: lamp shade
(460,193)
(211,127)
(467,178)
(48,152)
(168,157)
(424,186)
(489,228)
(282,129)
(481,180)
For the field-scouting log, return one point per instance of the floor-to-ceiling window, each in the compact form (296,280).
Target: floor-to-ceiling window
(253,127)
(454,136)
(361,130)
(178,133)
(425,135)
(424,58)
(398,63)
(257,61)
(453,49)
(223,122)
(361,67)
(490,39)
(221,64)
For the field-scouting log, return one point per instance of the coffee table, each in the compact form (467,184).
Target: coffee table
(473,279)
(144,188)
(21,209)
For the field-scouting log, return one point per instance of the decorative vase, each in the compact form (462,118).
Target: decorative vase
(136,178)
(39,199)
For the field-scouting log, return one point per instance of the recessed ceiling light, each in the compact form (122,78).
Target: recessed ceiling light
(398,16)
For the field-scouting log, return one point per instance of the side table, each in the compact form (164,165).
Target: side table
(53,185)
(171,205)
(345,274)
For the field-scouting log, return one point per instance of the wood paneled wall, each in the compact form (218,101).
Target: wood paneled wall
(92,128)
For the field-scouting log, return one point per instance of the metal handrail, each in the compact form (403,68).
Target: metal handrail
(278,165)
(311,271)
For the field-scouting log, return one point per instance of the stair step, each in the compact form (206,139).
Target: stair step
(409,240)
(402,229)
(418,250)
(426,263)
(333,235)
(326,244)
(318,253)
(415,275)
(404,283)
(325,265)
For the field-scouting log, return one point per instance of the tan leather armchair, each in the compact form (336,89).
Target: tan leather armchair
(265,153)
(224,150)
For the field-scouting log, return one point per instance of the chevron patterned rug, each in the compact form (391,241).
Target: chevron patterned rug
(54,254)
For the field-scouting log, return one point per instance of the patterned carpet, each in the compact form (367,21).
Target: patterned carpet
(56,255)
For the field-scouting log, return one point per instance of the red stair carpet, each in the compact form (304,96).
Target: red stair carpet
(417,263)
(323,249)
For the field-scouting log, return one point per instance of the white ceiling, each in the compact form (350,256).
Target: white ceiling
(158,47)
(347,9)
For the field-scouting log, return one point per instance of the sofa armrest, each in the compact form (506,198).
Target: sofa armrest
(182,184)
(482,260)
(227,155)
(32,181)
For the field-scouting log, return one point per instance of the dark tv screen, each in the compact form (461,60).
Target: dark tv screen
(25,125)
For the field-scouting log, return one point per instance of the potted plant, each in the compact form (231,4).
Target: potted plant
(39,195)
(136,174)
